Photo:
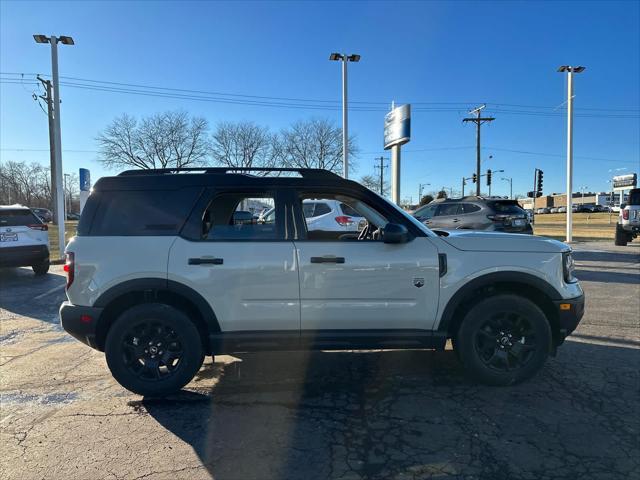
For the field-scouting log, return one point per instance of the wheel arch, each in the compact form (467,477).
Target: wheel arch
(151,290)
(519,283)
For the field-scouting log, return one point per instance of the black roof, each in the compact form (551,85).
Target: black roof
(173,178)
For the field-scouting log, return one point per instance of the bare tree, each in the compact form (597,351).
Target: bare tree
(163,140)
(30,184)
(373,183)
(244,145)
(315,143)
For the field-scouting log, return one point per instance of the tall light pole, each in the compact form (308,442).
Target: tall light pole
(67,192)
(53,40)
(570,71)
(510,180)
(420,189)
(344,58)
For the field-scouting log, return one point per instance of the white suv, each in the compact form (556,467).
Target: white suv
(24,239)
(160,275)
(326,215)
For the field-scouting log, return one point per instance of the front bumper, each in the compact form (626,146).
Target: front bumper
(570,313)
(80,322)
(23,256)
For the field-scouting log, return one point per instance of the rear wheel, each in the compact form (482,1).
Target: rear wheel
(153,349)
(621,236)
(41,268)
(504,339)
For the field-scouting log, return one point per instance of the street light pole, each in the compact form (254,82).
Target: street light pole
(59,197)
(344,58)
(510,180)
(570,71)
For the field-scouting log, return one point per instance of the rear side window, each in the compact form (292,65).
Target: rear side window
(234,216)
(321,209)
(143,213)
(18,217)
(469,208)
(510,208)
(347,210)
(447,209)
(634,197)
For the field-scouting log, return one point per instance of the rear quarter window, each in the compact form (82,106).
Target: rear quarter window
(17,218)
(141,213)
(634,197)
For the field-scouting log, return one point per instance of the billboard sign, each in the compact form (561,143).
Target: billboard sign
(625,182)
(397,126)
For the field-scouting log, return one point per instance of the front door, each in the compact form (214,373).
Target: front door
(351,283)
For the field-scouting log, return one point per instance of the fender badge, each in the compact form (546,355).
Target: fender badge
(418,282)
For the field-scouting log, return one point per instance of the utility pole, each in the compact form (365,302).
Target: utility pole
(510,180)
(48,97)
(381,167)
(420,189)
(478,120)
(570,71)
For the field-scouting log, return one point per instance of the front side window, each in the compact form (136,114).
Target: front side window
(236,216)
(354,220)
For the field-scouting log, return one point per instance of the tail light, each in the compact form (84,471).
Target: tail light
(498,218)
(625,214)
(39,226)
(345,221)
(70,267)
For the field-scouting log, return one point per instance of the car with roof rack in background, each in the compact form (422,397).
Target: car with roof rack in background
(628,225)
(24,239)
(191,276)
(475,213)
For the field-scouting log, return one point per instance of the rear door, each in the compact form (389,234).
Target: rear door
(247,271)
(446,216)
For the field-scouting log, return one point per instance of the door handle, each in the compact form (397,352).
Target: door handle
(327,259)
(206,261)
(456,220)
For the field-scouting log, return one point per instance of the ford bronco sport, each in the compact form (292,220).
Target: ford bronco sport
(628,225)
(160,275)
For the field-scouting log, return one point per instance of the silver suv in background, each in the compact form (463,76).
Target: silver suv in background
(628,224)
(475,213)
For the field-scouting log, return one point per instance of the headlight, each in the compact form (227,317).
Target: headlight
(568,266)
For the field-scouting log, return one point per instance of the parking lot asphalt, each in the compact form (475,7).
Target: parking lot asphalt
(342,415)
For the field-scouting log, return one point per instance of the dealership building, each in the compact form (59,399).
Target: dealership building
(560,200)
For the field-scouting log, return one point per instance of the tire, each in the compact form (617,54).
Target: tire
(41,268)
(621,237)
(504,340)
(153,349)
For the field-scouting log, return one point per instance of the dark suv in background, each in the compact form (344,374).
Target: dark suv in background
(475,213)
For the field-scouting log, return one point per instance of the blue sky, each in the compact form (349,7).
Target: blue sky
(435,55)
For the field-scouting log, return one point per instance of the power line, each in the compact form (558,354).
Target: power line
(261,100)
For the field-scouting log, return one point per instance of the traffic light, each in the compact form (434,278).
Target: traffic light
(489,177)
(539,186)
(474,178)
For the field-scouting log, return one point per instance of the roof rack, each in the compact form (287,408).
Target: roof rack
(317,173)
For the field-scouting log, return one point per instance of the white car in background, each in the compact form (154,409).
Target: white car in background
(325,215)
(24,239)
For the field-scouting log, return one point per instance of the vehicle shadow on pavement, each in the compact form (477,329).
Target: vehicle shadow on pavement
(37,297)
(410,414)
(607,276)
(631,256)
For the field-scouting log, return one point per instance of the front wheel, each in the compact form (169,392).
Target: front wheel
(153,349)
(503,340)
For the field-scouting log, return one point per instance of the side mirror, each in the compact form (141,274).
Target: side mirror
(395,233)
